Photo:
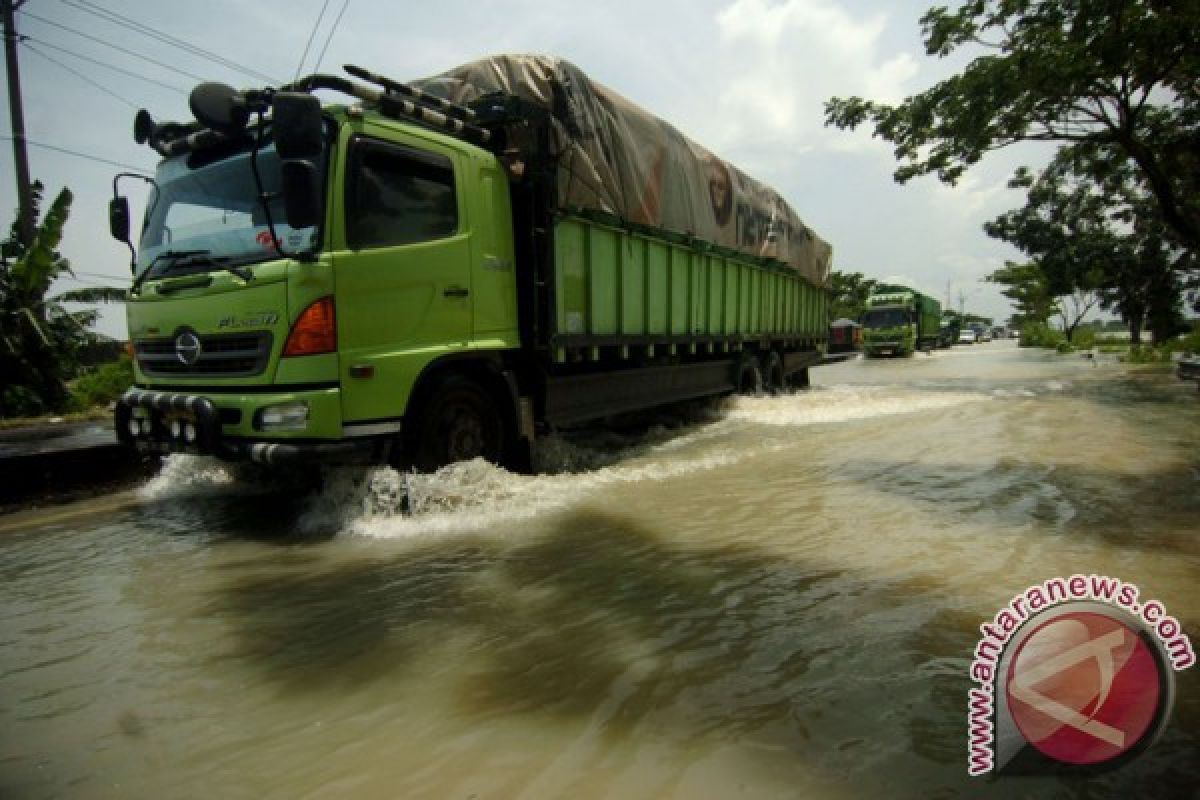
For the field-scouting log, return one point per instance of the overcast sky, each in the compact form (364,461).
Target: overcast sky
(746,78)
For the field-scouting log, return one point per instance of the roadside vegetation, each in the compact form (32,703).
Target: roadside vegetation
(1113,221)
(42,341)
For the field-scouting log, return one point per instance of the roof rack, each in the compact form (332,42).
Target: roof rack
(394,99)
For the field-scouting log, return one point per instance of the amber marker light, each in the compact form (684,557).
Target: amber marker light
(315,331)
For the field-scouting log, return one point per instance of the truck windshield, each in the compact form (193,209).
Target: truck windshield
(885,318)
(213,209)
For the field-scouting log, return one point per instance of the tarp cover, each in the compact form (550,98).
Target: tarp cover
(618,158)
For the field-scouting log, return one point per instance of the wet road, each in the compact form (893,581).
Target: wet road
(777,597)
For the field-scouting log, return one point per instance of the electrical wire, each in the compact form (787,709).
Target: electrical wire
(88,156)
(97,275)
(126,51)
(329,38)
(79,75)
(131,24)
(86,282)
(312,34)
(105,64)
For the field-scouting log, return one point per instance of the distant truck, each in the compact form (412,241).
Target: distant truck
(900,321)
(443,270)
(949,329)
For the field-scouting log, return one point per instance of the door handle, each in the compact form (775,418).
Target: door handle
(455,291)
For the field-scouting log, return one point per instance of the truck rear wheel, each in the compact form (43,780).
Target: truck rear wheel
(747,375)
(772,373)
(458,422)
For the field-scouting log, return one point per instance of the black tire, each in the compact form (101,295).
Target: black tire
(799,379)
(772,373)
(747,375)
(458,421)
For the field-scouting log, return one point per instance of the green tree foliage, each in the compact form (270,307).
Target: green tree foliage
(1031,289)
(1026,286)
(1091,227)
(1119,76)
(39,337)
(849,295)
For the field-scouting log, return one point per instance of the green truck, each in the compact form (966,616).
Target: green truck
(900,321)
(442,270)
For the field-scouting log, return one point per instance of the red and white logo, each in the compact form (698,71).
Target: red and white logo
(1083,688)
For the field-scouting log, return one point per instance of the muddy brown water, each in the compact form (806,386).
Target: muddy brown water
(776,597)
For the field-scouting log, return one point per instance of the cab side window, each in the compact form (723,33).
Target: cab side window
(398,195)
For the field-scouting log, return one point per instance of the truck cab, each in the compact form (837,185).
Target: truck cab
(257,335)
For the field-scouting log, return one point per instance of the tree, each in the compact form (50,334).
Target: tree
(1096,237)
(849,295)
(1119,76)
(1028,288)
(39,337)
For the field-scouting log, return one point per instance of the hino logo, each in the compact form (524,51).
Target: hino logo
(187,348)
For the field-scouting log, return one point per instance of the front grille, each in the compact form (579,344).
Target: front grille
(227,355)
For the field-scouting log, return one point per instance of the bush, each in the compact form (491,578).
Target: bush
(1039,334)
(103,385)
(1084,339)
(20,401)
(1147,354)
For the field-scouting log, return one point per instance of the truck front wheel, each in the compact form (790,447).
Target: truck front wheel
(458,422)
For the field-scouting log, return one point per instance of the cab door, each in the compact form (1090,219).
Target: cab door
(403,277)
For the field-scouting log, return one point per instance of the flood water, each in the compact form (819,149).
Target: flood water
(778,597)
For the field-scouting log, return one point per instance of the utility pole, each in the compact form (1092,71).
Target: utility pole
(17,114)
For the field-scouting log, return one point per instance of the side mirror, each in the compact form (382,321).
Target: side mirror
(297,126)
(118,218)
(300,187)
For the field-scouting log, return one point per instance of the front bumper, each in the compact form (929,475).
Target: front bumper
(172,422)
(883,348)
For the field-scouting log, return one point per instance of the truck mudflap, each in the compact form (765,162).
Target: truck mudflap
(170,422)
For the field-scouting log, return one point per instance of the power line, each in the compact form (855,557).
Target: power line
(166,38)
(312,34)
(96,274)
(68,277)
(105,64)
(126,51)
(79,75)
(88,156)
(329,38)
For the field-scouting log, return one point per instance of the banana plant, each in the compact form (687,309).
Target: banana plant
(39,337)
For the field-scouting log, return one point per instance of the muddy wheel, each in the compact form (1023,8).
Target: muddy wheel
(799,379)
(747,375)
(458,422)
(772,373)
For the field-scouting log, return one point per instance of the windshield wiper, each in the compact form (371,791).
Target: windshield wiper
(190,258)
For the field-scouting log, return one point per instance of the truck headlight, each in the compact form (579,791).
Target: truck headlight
(283,417)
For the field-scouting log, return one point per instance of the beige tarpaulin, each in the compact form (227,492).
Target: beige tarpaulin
(620,159)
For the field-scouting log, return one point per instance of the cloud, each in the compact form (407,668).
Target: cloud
(785,59)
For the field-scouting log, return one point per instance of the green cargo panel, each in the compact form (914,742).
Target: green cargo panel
(611,282)
(680,298)
(633,288)
(603,265)
(715,286)
(698,292)
(729,317)
(658,283)
(570,278)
